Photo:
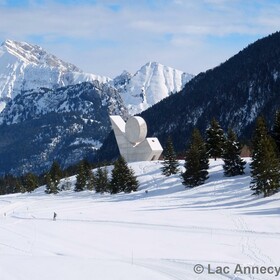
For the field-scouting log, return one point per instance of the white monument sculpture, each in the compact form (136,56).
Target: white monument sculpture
(132,141)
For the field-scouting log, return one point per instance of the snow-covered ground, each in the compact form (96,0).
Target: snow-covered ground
(157,235)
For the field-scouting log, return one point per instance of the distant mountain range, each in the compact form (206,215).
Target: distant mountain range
(25,66)
(52,110)
(43,121)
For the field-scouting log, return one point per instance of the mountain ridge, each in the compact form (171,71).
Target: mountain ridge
(149,85)
(235,93)
(26,67)
(72,127)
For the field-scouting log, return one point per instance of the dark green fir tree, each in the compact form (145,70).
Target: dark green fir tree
(196,162)
(233,163)
(29,182)
(123,178)
(81,178)
(170,162)
(132,183)
(215,140)
(276,131)
(90,184)
(265,162)
(102,182)
(53,178)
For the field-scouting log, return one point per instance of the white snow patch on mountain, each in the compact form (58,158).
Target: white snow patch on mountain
(155,235)
(149,85)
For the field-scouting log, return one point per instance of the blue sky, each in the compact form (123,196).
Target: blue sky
(109,36)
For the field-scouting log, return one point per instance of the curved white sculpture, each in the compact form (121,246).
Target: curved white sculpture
(135,130)
(132,141)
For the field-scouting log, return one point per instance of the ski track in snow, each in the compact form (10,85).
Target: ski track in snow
(240,230)
(157,235)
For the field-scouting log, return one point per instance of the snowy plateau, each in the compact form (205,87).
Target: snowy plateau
(24,66)
(162,231)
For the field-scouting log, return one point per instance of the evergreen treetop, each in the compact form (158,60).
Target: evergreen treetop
(85,177)
(30,182)
(123,178)
(265,164)
(81,178)
(170,163)
(233,164)
(196,162)
(102,182)
(276,130)
(215,140)
(53,177)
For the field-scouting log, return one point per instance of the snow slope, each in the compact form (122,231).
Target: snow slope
(149,85)
(157,235)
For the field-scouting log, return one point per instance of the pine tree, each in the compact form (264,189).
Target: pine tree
(102,182)
(81,178)
(132,184)
(123,178)
(170,163)
(215,140)
(276,131)
(51,185)
(56,172)
(30,182)
(87,168)
(265,163)
(234,165)
(53,177)
(90,185)
(196,162)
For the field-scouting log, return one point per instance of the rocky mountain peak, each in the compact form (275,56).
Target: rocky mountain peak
(34,54)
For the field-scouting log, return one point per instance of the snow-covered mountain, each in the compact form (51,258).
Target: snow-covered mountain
(83,98)
(51,109)
(65,124)
(149,85)
(24,66)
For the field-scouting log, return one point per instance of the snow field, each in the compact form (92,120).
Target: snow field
(157,235)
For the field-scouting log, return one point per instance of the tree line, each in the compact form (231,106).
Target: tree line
(265,165)
(30,181)
(122,179)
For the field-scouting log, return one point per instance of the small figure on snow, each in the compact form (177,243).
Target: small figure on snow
(54,216)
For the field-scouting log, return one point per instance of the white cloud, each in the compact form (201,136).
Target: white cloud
(104,40)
